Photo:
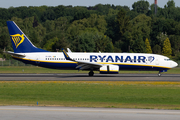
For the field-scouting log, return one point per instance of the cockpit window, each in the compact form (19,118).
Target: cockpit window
(167,59)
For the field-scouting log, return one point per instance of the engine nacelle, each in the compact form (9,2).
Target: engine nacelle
(109,69)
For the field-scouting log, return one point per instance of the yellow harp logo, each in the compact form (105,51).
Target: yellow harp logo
(17,39)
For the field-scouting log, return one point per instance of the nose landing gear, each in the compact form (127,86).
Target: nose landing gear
(159,74)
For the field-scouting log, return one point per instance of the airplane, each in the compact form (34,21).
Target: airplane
(105,63)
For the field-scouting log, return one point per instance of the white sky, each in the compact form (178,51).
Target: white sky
(17,3)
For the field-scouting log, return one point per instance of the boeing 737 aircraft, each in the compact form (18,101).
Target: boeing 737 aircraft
(106,63)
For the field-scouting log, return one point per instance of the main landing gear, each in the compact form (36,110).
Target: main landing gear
(91,73)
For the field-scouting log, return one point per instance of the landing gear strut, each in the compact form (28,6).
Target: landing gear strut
(159,74)
(91,73)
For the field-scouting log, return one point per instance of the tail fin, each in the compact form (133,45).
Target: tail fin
(20,43)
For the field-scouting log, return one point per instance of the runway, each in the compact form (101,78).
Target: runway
(66,113)
(85,77)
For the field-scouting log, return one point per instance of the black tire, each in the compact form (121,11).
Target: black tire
(91,73)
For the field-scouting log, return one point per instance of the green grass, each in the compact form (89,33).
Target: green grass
(37,70)
(148,95)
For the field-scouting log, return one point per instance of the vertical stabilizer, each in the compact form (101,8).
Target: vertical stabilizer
(20,43)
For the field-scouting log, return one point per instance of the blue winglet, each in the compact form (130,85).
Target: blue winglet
(66,55)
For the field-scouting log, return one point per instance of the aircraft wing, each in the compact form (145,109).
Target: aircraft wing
(87,65)
(82,65)
(15,54)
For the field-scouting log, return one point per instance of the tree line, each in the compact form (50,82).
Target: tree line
(105,28)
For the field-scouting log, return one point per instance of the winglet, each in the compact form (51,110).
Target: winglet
(66,55)
(69,51)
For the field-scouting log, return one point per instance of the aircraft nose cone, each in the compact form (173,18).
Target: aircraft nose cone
(174,64)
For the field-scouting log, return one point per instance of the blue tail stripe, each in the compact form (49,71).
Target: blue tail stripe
(20,43)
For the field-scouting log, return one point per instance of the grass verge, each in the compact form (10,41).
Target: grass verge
(116,94)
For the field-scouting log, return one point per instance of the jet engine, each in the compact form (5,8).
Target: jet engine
(109,69)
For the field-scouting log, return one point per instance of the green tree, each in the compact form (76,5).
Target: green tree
(142,23)
(80,13)
(140,30)
(84,42)
(123,22)
(58,39)
(62,23)
(98,22)
(95,23)
(141,6)
(49,45)
(161,38)
(121,32)
(170,11)
(40,33)
(4,39)
(103,43)
(167,51)
(157,49)
(175,44)
(111,25)
(139,46)
(49,25)
(170,3)
(148,47)
(161,28)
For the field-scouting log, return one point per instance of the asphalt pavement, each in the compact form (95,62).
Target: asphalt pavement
(67,113)
(85,77)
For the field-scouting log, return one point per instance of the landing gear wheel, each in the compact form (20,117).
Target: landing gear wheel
(159,74)
(91,73)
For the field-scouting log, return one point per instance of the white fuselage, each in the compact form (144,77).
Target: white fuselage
(128,61)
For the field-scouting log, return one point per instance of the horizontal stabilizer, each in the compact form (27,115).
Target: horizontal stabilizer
(14,54)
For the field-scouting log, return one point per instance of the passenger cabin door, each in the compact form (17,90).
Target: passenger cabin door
(157,60)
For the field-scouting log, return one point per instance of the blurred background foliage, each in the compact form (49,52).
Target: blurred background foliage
(105,28)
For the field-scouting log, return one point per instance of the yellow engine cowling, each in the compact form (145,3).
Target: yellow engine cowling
(109,69)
